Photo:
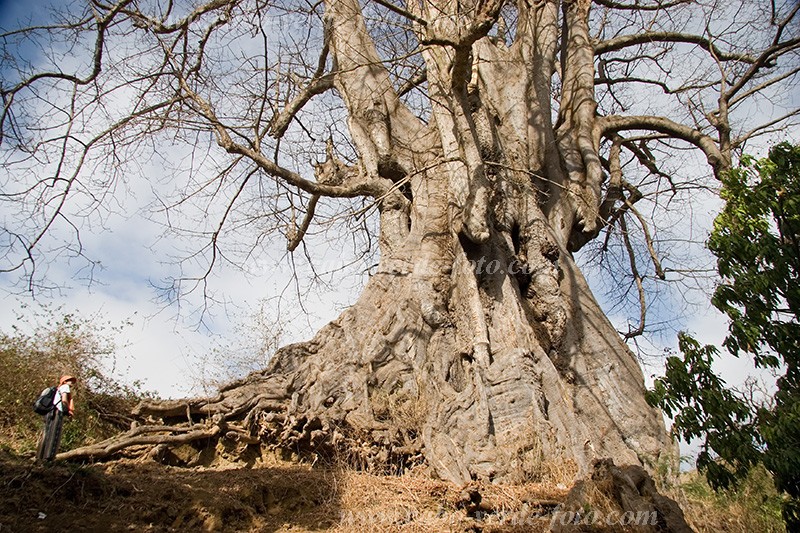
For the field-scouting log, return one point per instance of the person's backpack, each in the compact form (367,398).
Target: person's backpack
(44,403)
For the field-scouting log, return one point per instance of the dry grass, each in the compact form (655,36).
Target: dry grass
(402,409)
(278,496)
(532,463)
(415,502)
(128,495)
(753,507)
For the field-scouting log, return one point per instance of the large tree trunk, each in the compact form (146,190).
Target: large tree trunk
(477,344)
(393,377)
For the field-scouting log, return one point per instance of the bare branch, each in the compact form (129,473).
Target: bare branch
(616,123)
(320,82)
(648,239)
(158,26)
(614,81)
(659,5)
(359,188)
(614,192)
(637,278)
(761,86)
(413,83)
(402,12)
(296,235)
(762,128)
(646,159)
(97,65)
(766,60)
(315,87)
(624,41)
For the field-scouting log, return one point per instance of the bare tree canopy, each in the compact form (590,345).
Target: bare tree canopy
(494,139)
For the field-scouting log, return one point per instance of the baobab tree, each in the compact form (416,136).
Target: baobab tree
(494,139)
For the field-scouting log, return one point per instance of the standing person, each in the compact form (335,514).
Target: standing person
(63,405)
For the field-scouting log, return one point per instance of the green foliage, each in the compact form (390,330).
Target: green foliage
(701,406)
(756,239)
(753,505)
(30,361)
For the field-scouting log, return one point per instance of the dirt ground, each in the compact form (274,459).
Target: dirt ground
(137,496)
(277,496)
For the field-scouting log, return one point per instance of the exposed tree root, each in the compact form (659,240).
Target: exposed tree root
(384,387)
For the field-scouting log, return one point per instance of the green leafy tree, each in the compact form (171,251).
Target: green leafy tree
(756,239)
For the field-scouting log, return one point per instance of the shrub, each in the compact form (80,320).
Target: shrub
(34,357)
